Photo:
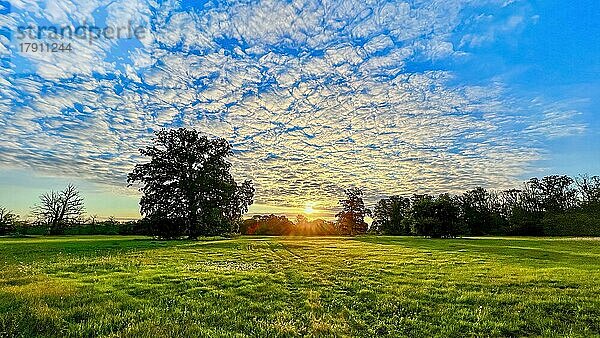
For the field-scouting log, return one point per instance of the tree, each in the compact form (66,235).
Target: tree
(320,227)
(7,221)
(271,225)
(589,189)
(481,212)
(552,193)
(351,220)
(533,210)
(187,186)
(60,209)
(302,225)
(436,217)
(316,227)
(390,216)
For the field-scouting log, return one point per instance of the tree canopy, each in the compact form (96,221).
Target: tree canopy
(553,205)
(391,216)
(351,219)
(7,221)
(188,188)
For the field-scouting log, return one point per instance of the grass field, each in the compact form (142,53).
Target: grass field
(267,287)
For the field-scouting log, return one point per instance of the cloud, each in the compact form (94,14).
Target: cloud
(314,96)
(488,25)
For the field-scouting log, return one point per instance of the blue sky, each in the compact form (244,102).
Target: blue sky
(397,97)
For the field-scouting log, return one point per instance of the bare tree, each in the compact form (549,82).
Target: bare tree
(60,209)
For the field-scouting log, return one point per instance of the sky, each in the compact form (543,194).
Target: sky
(396,97)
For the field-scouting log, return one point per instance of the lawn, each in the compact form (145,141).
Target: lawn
(286,286)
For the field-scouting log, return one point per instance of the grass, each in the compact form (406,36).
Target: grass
(285,286)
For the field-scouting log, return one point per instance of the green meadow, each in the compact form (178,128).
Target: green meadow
(299,286)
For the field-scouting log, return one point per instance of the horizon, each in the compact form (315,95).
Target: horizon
(310,211)
(395,98)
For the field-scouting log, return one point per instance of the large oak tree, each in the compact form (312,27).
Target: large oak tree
(187,186)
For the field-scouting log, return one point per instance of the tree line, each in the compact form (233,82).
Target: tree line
(188,191)
(551,206)
(280,225)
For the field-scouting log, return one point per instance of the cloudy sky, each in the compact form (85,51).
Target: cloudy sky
(397,97)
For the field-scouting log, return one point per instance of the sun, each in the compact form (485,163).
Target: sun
(308,208)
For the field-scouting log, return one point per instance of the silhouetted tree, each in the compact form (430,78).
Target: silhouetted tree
(390,216)
(540,199)
(7,221)
(302,225)
(553,205)
(316,227)
(436,217)
(187,185)
(351,220)
(589,189)
(301,219)
(270,225)
(553,193)
(60,209)
(321,228)
(481,212)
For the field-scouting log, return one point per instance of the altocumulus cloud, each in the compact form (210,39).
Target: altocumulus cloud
(315,96)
